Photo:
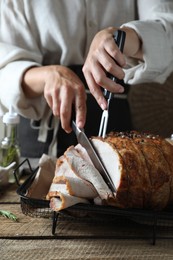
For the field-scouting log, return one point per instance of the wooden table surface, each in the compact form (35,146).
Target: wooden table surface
(32,238)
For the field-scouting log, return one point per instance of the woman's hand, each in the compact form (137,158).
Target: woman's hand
(105,57)
(62,90)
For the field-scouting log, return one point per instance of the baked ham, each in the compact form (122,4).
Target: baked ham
(145,178)
(140,166)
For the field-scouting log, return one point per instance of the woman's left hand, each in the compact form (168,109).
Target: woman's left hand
(104,57)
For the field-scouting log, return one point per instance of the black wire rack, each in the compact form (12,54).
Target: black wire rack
(87,212)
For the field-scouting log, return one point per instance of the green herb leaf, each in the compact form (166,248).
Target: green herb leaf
(8,215)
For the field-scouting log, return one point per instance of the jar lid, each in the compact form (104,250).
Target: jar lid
(11,117)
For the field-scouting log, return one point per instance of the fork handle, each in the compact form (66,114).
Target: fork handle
(119,38)
(107,94)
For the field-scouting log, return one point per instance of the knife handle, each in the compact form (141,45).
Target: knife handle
(119,38)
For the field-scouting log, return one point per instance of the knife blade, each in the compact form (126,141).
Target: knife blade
(86,143)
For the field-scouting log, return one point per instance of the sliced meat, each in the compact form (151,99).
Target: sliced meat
(55,189)
(73,186)
(66,181)
(116,168)
(83,153)
(88,172)
(62,168)
(64,201)
(140,166)
(43,178)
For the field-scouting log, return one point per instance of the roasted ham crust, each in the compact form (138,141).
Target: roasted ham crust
(147,161)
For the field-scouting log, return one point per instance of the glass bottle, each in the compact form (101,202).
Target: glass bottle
(9,146)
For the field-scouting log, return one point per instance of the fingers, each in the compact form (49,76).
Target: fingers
(104,58)
(95,90)
(110,59)
(66,109)
(80,107)
(96,77)
(73,99)
(63,92)
(114,52)
(51,94)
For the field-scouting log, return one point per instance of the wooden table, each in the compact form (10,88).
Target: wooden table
(31,238)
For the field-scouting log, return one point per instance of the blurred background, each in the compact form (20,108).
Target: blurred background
(1,128)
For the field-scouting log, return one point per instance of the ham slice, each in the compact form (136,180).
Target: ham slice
(43,178)
(64,201)
(76,180)
(62,168)
(68,187)
(116,168)
(73,186)
(88,172)
(83,153)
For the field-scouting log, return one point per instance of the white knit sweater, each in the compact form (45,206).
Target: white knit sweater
(42,32)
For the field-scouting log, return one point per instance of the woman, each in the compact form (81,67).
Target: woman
(41,39)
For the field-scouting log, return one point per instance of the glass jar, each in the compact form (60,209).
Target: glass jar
(9,146)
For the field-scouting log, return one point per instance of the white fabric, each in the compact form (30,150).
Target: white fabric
(42,32)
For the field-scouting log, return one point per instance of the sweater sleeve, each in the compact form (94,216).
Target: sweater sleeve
(16,62)
(155,28)
(18,52)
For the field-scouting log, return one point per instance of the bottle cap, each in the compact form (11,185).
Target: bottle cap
(11,117)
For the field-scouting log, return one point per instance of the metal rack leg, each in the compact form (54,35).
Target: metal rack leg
(55,219)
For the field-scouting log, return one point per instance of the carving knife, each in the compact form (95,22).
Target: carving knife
(86,143)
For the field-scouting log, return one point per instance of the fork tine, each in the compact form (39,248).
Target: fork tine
(103,124)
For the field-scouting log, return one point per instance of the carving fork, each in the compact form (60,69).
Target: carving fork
(119,37)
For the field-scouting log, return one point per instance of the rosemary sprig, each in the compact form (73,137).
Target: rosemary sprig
(8,214)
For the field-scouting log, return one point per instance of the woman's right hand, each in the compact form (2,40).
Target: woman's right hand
(62,90)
